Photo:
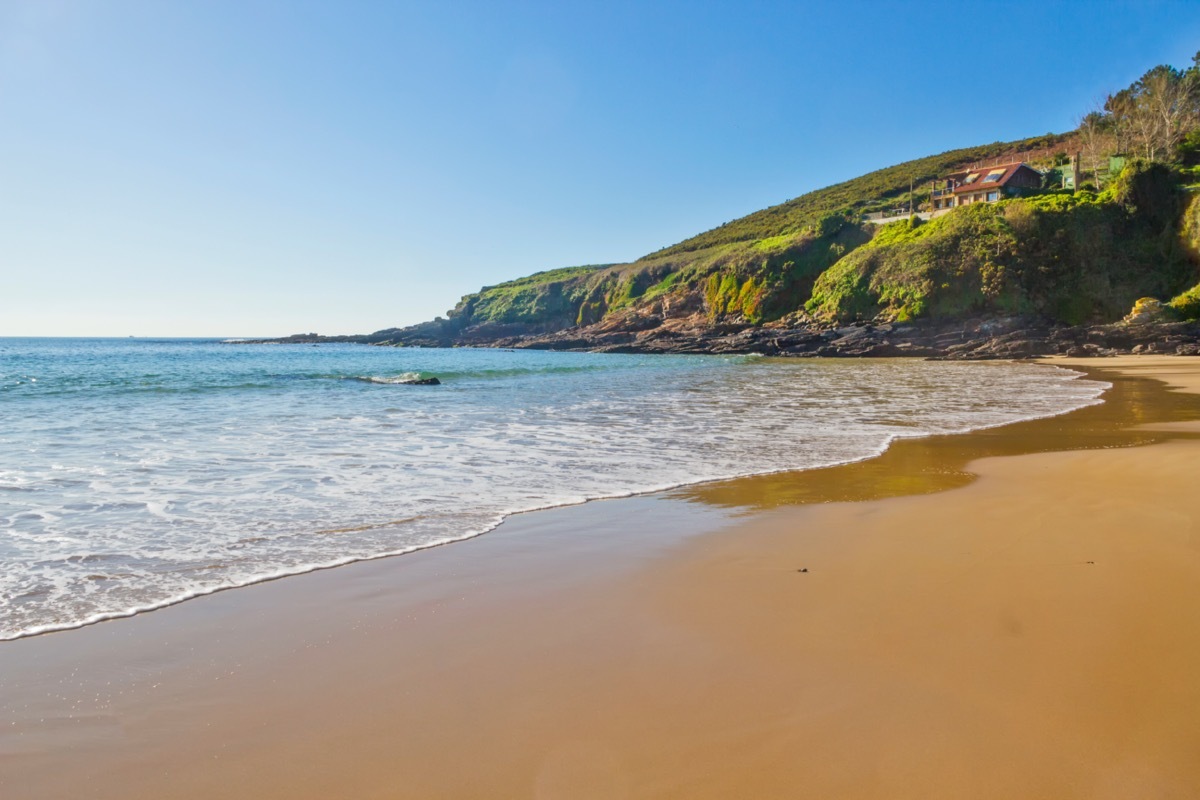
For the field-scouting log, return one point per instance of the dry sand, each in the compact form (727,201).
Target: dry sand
(1030,633)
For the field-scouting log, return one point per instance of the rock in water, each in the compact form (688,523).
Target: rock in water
(422,382)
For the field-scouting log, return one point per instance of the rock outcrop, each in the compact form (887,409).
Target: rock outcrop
(801,337)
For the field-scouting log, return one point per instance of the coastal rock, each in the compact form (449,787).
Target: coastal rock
(1147,310)
(959,340)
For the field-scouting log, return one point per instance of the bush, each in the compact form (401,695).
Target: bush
(1187,305)
(1149,190)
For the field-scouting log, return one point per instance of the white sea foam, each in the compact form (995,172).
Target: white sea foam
(187,471)
(404,377)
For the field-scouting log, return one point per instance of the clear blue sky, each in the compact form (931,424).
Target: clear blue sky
(254,167)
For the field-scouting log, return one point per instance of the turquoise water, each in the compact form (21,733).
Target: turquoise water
(138,473)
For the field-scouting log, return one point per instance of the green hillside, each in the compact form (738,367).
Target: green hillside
(1064,256)
(761,266)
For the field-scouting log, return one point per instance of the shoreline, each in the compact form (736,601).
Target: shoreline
(108,616)
(679,665)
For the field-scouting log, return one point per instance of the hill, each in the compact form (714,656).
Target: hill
(777,252)
(775,279)
(1065,257)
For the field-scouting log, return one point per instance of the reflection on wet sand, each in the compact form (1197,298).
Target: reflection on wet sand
(938,463)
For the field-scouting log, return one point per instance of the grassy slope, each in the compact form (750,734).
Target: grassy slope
(880,189)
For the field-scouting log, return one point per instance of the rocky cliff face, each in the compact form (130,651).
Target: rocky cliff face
(968,339)
(978,338)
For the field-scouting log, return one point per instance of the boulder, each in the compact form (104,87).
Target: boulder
(1147,311)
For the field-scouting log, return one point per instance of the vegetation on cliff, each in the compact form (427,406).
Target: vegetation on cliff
(544,298)
(1070,257)
(755,280)
(1187,304)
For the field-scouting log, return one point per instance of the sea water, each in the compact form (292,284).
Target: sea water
(138,473)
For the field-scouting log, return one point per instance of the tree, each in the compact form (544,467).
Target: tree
(1154,114)
(1170,99)
(1096,140)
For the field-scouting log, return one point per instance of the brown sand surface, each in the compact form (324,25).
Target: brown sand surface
(1011,613)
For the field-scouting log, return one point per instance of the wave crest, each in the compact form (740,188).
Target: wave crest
(404,377)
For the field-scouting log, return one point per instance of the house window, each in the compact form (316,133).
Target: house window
(993,197)
(974,176)
(994,175)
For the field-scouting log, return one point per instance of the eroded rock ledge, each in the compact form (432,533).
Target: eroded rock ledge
(986,338)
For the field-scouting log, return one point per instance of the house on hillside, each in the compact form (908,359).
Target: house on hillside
(984,185)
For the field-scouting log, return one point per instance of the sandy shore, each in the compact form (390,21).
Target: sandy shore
(1008,614)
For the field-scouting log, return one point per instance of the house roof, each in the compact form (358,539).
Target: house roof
(999,174)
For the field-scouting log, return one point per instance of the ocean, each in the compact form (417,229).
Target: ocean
(137,473)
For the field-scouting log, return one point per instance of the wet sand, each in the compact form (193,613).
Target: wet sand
(1009,613)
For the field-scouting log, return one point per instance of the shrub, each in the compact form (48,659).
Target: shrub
(1187,304)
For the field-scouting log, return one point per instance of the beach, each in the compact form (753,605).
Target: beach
(1006,613)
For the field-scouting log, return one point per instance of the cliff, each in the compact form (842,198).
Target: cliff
(1053,272)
